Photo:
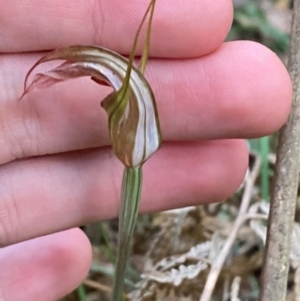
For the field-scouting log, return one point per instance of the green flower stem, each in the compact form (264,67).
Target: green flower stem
(130,199)
(81,293)
(265,171)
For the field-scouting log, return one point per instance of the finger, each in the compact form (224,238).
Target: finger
(47,194)
(180,28)
(242,90)
(46,268)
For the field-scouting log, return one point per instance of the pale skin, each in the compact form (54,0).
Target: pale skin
(205,89)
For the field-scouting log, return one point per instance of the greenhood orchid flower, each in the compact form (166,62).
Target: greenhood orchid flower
(133,119)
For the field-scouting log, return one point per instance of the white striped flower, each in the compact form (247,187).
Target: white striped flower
(133,120)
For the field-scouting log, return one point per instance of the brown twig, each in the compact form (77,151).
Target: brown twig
(297,284)
(256,216)
(284,192)
(235,288)
(220,259)
(98,286)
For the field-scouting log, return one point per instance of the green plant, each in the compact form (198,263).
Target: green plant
(133,120)
(81,293)
(251,23)
(262,146)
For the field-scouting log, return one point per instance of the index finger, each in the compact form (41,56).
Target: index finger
(180,28)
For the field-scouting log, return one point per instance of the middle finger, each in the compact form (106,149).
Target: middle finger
(52,193)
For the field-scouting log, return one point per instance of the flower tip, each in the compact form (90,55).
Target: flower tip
(22,96)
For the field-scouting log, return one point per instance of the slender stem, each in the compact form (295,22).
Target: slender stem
(264,151)
(285,187)
(98,286)
(130,199)
(220,259)
(81,293)
(108,249)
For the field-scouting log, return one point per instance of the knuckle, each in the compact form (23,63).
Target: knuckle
(19,129)
(9,213)
(8,218)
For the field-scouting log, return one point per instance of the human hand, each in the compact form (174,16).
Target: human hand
(66,175)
